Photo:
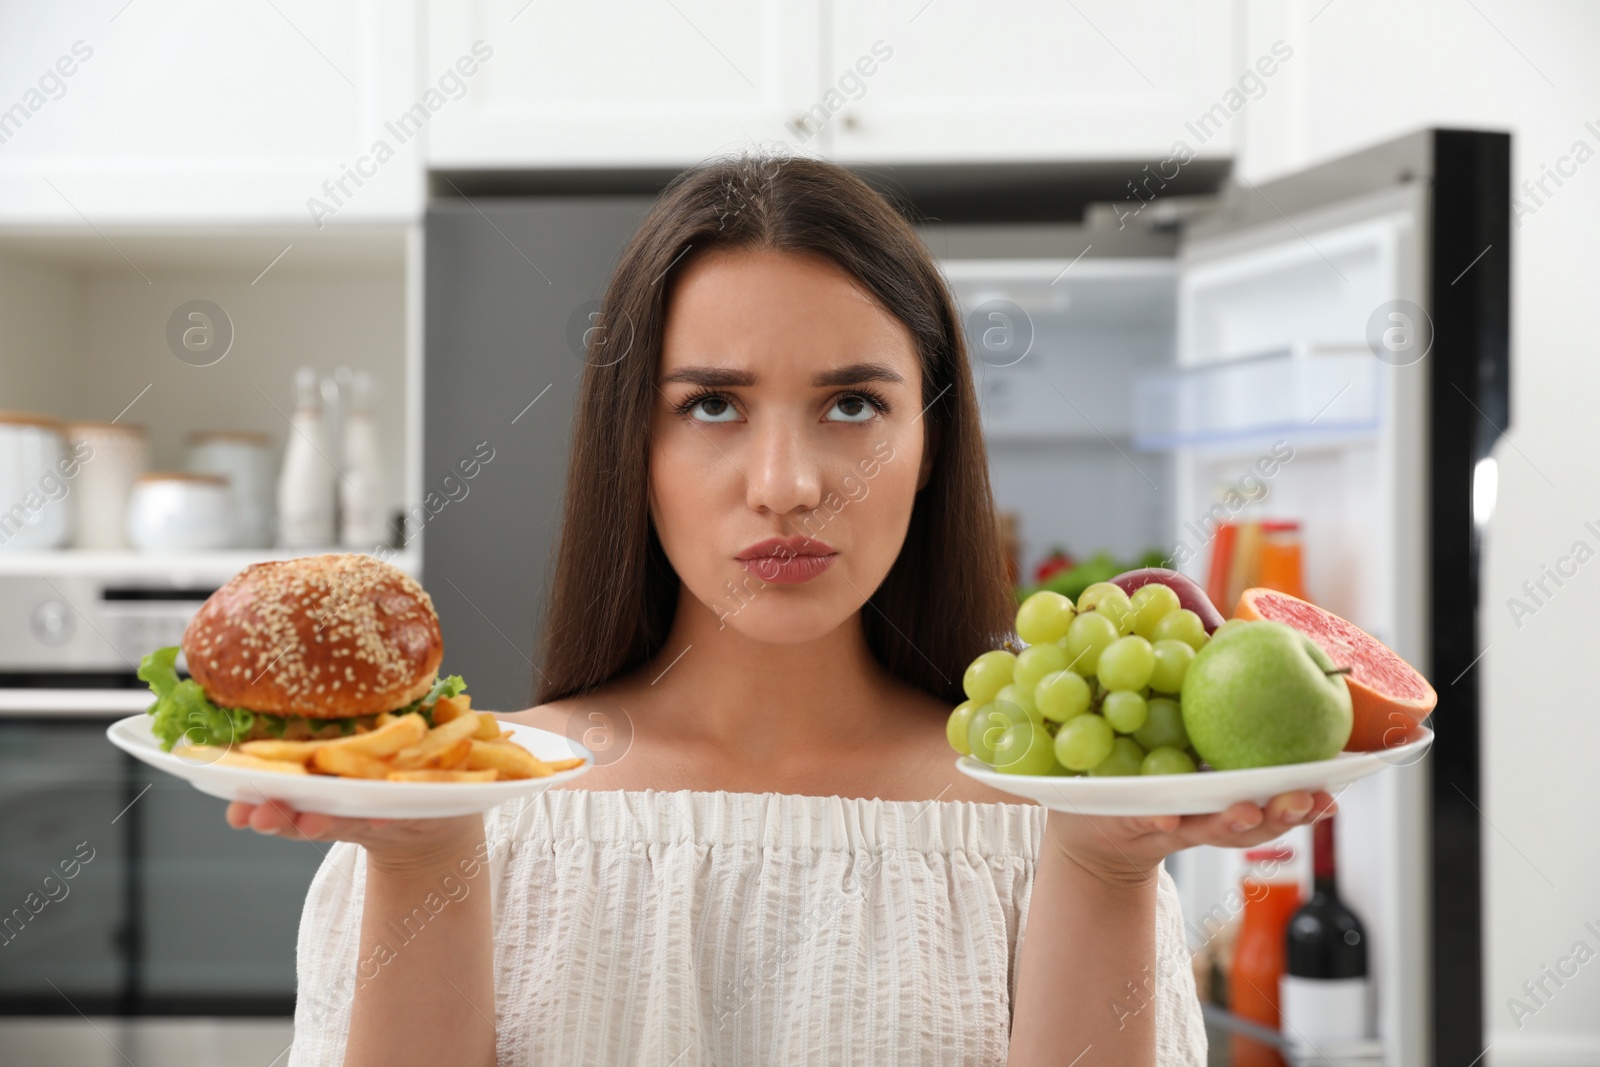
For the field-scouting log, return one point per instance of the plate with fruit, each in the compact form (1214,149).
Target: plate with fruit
(1139,699)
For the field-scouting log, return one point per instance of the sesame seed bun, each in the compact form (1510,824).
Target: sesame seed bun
(322,637)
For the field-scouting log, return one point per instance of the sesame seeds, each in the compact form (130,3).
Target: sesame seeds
(294,630)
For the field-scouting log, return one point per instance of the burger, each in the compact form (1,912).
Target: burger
(301,649)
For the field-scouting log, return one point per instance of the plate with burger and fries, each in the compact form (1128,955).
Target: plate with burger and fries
(314,682)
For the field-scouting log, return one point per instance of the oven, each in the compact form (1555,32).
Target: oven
(122,890)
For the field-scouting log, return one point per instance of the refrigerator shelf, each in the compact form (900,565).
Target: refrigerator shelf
(1330,391)
(1299,1052)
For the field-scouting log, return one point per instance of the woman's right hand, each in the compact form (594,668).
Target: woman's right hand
(396,844)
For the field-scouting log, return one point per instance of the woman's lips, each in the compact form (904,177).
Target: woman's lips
(787,560)
(788,570)
(787,546)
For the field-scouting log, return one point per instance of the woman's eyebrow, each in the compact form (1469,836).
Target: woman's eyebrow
(726,377)
(857,373)
(710,377)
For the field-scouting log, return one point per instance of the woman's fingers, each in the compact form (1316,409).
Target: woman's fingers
(1241,825)
(278,819)
(1224,828)
(1289,809)
(273,817)
(1245,825)
(1157,824)
(239,814)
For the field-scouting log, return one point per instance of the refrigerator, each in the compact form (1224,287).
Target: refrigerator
(1140,337)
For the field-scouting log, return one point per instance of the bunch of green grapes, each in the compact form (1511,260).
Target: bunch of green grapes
(1094,692)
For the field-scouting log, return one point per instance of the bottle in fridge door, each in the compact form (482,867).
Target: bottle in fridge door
(1281,565)
(1271,895)
(1326,994)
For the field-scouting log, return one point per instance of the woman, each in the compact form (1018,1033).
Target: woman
(778,555)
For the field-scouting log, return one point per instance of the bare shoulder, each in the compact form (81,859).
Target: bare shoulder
(558,716)
(598,722)
(934,761)
(552,716)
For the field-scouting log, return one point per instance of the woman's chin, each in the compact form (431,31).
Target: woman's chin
(778,623)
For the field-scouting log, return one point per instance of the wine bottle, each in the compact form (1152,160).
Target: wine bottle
(1325,994)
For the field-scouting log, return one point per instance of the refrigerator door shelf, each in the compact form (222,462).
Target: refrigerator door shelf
(1331,392)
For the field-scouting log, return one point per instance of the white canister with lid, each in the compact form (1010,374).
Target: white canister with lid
(246,460)
(176,511)
(35,509)
(111,456)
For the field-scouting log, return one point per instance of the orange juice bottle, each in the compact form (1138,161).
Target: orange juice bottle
(1282,562)
(1221,570)
(1271,896)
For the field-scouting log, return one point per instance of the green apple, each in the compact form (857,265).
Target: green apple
(1264,694)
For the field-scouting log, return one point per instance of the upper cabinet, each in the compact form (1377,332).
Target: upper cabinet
(293,111)
(626,82)
(188,111)
(964,80)
(621,82)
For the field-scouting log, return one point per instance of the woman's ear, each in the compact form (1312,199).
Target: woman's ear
(930,449)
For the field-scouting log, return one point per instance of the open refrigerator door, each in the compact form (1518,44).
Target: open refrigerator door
(1324,353)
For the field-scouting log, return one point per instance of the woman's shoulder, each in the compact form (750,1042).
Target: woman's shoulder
(623,757)
(552,716)
(600,708)
(929,759)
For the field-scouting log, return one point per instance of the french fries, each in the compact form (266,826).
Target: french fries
(446,709)
(463,746)
(513,761)
(427,750)
(214,754)
(348,763)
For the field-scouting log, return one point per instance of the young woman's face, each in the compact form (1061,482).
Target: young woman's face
(787,442)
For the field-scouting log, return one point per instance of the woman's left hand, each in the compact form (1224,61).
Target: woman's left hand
(1126,850)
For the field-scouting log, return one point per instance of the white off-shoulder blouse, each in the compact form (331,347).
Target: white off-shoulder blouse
(686,929)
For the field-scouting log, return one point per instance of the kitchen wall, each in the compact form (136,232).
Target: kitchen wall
(1366,70)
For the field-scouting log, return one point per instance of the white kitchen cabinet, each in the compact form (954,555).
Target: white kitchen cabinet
(1079,80)
(621,82)
(153,111)
(627,82)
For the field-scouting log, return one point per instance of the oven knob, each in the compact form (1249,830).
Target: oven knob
(52,622)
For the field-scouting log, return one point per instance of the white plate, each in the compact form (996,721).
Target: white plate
(354,797)
(1194,794)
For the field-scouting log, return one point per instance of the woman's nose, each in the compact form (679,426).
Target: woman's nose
(784,475)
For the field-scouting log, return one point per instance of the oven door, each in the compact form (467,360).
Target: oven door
(123,890)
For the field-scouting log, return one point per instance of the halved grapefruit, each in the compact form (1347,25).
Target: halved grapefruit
(1388,696)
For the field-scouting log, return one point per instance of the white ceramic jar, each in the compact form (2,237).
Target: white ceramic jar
(35,495)
(111,456)
(247,461)
(175,511)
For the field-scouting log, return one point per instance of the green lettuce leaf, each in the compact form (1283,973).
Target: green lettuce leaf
(182,709)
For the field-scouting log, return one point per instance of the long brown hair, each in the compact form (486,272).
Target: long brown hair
(946,598)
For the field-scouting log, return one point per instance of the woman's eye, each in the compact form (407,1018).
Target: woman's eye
(852,409)
(713,409)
